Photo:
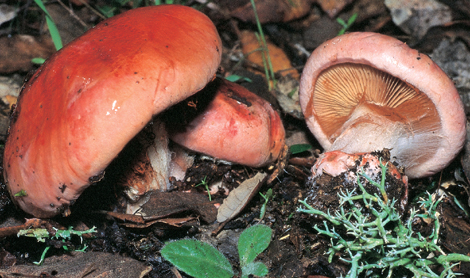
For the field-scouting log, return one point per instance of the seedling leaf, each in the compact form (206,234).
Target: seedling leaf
(299,148)
(197,259)
(236,78)
(254,268)
(56,39)
(252,242)
(21,193)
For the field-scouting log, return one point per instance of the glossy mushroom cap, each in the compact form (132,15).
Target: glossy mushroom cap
(80,109)
(363,92)
(236,126)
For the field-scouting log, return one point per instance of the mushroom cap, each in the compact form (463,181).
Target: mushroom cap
(85,103)
(415,108)
(236,126)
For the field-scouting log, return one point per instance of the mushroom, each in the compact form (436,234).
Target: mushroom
(236,125)
(224,120)
(362,92)
(82,106)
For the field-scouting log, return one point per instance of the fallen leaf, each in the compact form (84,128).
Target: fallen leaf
(416,17)
(287,95)
(7,13)
(17,51)
(174,222)
(270,10)
(164,204)
(251,48)
(239,197)
(333,7)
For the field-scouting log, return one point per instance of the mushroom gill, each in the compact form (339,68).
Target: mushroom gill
(360,108)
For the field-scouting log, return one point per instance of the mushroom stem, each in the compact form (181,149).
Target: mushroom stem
(359,133)
(368,131)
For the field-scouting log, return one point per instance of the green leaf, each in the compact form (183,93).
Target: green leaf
(341,21)
(235,78)
(107,11)
(21,193)
(352,19)
(56,39)
(299,148)
(197,258)
(254,268)
(252,242)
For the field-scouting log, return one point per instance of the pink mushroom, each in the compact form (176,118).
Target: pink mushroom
(363,92)
(80,109)
(224,120)
(236,126)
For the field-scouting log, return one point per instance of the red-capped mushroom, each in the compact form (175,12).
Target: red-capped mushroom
(88,100)
(236,126)
(363,92)
(224,120)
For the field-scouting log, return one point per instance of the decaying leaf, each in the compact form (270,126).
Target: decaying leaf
(174,222)
(17,51)
(333,7)
(252,50)
(7,13)
(415,17)
(270,10)
(287,95)
(239,197)
(163,204)
(80,264)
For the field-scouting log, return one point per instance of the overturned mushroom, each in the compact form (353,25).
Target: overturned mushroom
(224,120)
(363,92)
(236,126)
(80,109)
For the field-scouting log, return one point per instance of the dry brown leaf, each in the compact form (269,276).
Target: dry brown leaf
(163,204)
(239,197)
(17,51)
(270,10)
(280,62)
(333,7)
(10,100)
(175,222)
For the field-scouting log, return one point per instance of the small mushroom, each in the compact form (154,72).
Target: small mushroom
(81,108)
(363,92)
(224,120)
(236,126)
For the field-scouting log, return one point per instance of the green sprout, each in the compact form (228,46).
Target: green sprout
(51,25)
(206,185)
(21,193)
(268,67)
(299,148)
(380,239)
(199,259)
(346,25)
(236,78)
(266,197)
